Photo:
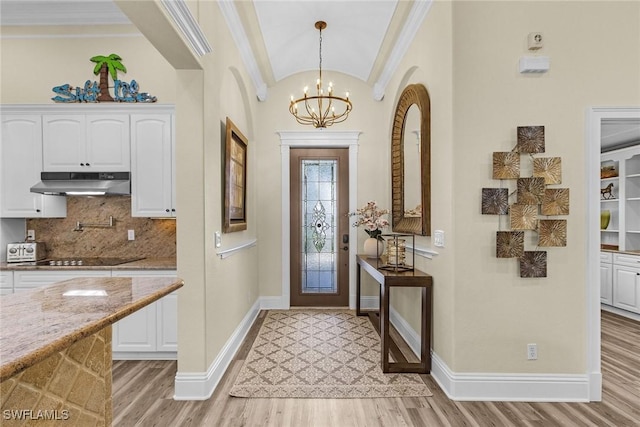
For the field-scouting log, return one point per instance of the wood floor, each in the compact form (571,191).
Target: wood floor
(143,396)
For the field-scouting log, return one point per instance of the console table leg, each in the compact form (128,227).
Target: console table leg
(384,326)
(358,311)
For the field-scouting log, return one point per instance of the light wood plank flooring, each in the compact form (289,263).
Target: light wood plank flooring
(143,396)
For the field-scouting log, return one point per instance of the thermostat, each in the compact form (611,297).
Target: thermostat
(534,41)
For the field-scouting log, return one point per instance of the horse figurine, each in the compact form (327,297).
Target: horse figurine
(607,192)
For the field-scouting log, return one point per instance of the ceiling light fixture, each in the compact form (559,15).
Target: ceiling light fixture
(323,114)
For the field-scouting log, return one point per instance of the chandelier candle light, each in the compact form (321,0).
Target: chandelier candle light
(324,114)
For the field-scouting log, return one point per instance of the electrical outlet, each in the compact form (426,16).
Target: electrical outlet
(31,235)
(532,351)
(131,235)
(218,239)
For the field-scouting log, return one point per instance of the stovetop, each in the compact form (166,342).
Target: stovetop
(89,262)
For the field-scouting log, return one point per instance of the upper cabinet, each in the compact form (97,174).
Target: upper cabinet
(152,166)
(21,161)
(87,138)
(86,143)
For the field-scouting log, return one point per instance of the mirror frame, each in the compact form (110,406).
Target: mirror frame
(413,94)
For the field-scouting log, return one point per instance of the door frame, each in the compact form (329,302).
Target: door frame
(592,141)
(316,139)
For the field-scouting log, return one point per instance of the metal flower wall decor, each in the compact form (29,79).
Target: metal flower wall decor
(533,205)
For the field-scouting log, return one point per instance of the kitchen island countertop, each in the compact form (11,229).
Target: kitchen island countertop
(38,323)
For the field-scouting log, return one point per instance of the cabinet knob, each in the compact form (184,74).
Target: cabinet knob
(173,210)
(87,164)
(81,164)
(167,210)
(37,210)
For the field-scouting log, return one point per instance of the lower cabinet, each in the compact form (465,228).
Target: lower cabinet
(26,280)
(626,288)
(149,333)
(624,276)
(6,282)
(606,278)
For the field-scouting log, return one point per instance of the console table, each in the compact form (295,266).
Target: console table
(387,280)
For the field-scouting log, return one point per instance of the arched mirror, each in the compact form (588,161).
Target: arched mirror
(411,163)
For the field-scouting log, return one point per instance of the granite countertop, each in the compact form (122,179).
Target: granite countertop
(37,323)
(143,264)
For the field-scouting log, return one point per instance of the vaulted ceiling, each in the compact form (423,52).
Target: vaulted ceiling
(364,39)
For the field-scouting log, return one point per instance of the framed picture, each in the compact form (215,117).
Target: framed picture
(235,180)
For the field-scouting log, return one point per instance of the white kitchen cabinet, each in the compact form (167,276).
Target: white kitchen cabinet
(27,280)
(626,288)
(606,278)
(152,166)
(152,332)
(21,164)
(86,143)
(6,282)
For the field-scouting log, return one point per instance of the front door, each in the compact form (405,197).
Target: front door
(319,227)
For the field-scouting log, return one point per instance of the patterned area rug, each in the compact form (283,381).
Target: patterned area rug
(319,354)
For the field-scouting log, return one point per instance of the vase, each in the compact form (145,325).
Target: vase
(373,247)
(605,217)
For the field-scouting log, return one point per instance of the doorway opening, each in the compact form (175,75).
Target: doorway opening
(596,118)
(315,139)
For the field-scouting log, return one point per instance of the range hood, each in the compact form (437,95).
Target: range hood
(83,183)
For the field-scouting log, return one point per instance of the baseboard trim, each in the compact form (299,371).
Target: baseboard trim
(201,385)
(620,312)
(498,387)
(141,355)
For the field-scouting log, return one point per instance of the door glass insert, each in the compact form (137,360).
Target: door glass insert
(319,214)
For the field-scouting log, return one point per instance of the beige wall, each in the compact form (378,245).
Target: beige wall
(595,60)
(32,66)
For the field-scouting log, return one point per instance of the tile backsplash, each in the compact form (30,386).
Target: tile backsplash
(153,237)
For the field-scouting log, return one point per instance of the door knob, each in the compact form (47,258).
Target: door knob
(346,248)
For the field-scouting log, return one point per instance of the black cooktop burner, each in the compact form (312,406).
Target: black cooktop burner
(89,262)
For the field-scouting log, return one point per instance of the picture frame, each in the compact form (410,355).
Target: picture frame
(235,179)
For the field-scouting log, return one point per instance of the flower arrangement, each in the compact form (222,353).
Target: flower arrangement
(370,216)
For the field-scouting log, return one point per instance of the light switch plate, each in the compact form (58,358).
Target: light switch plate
(218,239)
(131,235)
(438,238)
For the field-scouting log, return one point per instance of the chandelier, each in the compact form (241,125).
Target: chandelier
(319,110)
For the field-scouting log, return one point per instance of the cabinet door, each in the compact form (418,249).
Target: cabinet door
(606,283)
(21,164)
(107,143)
(136,332)
(625,288)
(167,318)
(151,166)
(6,282)
(64,139)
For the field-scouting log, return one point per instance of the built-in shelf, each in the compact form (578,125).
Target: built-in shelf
(624,209)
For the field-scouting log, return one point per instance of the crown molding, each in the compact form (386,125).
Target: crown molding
(232,19)
(417,15)
(187,24)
